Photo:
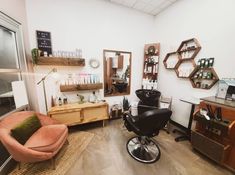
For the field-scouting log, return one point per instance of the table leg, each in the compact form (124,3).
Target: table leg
(190,120)
(187,134)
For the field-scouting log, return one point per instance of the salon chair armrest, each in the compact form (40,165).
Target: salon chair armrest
(133,118)
(131,121)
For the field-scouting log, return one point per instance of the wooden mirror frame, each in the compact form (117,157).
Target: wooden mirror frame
(105,72)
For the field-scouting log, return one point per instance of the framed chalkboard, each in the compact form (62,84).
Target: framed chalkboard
(44,41)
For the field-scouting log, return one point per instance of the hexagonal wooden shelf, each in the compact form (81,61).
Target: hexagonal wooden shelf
(181,62)
(186,53)
(189,49)
(197,82)
(169,57)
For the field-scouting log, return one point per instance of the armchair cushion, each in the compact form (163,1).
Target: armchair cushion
(47,138)
(24,130)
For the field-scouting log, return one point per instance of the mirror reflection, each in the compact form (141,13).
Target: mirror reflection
(117,72)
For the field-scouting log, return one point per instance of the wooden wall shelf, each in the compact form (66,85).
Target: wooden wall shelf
(77,87)
(60,61)
(186,53)
(189,49)
(194,46)
(168,57)
(190,61)
(197,80)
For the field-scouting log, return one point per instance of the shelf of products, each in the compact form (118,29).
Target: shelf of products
(171,60)
(151,61)
(203,78)
(61,61)
(184,55)
(76,87)
(184,68)
(81,81)
(189,49)
(151,58)
(206,62)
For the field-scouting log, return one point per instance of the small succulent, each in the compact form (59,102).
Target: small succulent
(35,55)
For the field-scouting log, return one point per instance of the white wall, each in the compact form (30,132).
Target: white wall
(91,25)
(16,9)
(94,25)
(212,22)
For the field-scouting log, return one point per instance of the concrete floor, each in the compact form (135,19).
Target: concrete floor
(107,155)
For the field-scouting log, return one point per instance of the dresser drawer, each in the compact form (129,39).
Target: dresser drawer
(68,118)
(212,149)
(95,114)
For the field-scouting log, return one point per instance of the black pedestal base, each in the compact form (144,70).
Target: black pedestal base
(183,137)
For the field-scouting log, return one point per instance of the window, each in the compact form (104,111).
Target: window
(12,61)
(8,54)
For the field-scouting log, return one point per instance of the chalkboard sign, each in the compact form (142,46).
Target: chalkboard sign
(44,41)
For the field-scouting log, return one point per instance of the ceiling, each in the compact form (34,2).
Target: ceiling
(152,7)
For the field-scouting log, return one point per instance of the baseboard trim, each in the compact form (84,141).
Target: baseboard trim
(178,125)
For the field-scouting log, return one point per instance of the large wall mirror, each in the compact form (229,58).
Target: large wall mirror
(117,72)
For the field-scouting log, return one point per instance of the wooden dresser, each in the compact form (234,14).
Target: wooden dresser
(215,138)
(76,114)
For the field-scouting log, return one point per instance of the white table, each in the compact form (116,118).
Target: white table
(187,135)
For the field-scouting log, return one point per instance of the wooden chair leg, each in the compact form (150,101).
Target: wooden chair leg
(67,141)
(53,163)
(19,165)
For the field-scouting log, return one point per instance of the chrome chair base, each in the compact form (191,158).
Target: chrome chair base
(143,149)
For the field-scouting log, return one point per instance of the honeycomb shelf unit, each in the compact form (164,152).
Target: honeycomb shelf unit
(185,55)
(187,70)
(171,60)
(203,78)
(189,49)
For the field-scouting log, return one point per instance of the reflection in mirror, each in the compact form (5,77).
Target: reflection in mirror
(117,72)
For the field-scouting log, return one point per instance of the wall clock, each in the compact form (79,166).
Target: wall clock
(94,63)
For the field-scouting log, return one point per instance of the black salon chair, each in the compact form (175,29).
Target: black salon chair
(146,125)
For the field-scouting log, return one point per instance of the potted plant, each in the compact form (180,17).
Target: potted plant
(125,104)
(35,55)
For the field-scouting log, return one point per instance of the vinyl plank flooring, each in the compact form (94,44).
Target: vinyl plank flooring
(107,155)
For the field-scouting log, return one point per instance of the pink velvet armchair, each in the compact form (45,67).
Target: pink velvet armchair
(42,145)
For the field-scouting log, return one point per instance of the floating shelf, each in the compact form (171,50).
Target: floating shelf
(76,87)
(151,64)
(195,48)
(188,50)
(60,61)
(186,53)
(168,57)
(180,63)
(212,81)
(192,40)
